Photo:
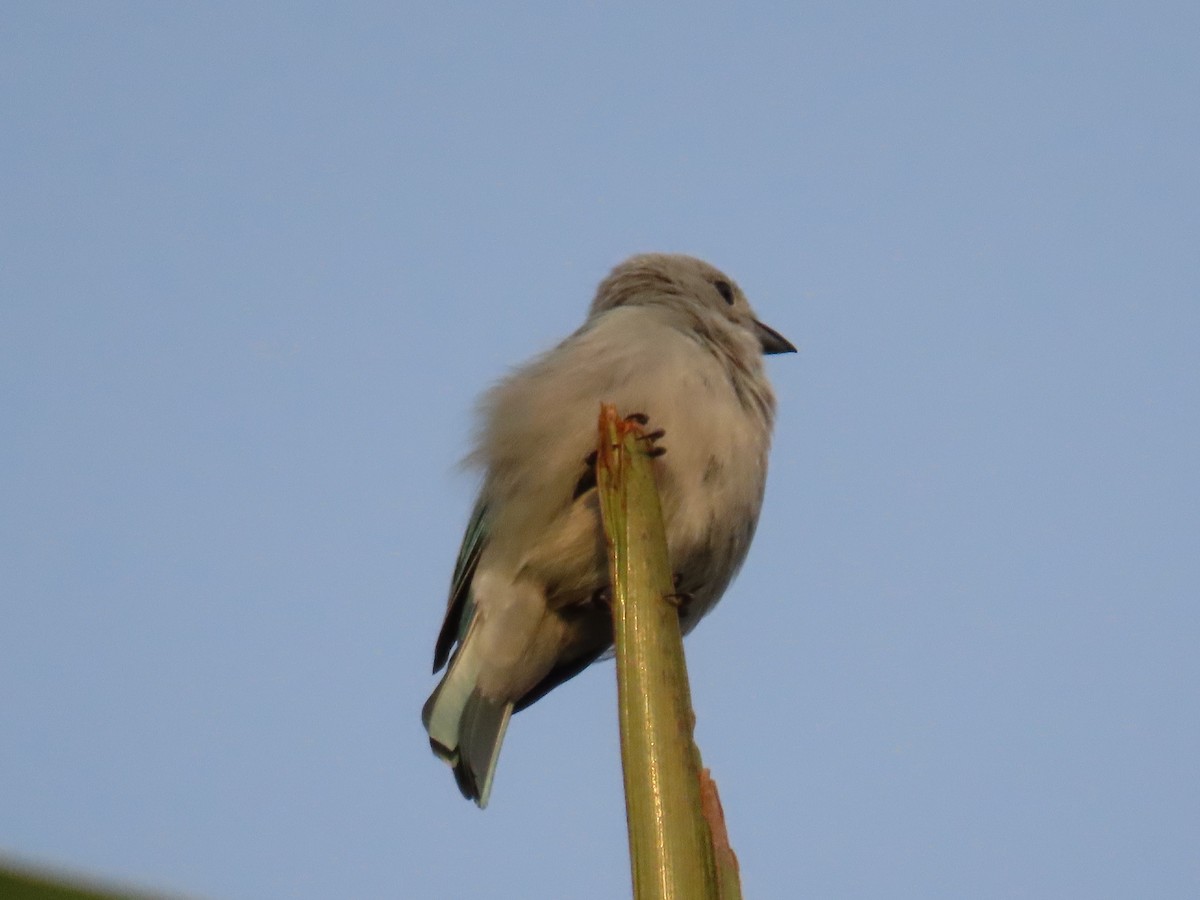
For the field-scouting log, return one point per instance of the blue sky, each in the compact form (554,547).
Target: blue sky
(256,261)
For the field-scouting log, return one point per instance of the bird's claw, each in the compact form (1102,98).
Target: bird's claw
(650,438)
(681,600)
(587,480)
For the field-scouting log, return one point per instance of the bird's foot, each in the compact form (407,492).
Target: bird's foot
(681,600)
(587,480)
(651,438)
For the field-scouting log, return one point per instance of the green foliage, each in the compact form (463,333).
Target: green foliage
(22,884)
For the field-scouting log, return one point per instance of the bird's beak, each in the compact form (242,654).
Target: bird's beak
(772,341)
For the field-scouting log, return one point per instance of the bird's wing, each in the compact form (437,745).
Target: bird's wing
(459,609)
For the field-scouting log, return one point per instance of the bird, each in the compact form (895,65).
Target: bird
(672,341)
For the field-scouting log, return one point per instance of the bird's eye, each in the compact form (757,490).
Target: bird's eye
(725,289)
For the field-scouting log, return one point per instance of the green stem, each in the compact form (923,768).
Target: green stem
(669,840)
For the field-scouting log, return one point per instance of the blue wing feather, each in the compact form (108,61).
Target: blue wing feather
(460,607)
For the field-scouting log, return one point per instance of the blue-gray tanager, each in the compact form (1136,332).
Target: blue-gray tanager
(668,337)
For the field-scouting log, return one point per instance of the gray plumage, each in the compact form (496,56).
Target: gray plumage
(667,336)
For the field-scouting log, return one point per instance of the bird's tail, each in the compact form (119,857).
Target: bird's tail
(466,728)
